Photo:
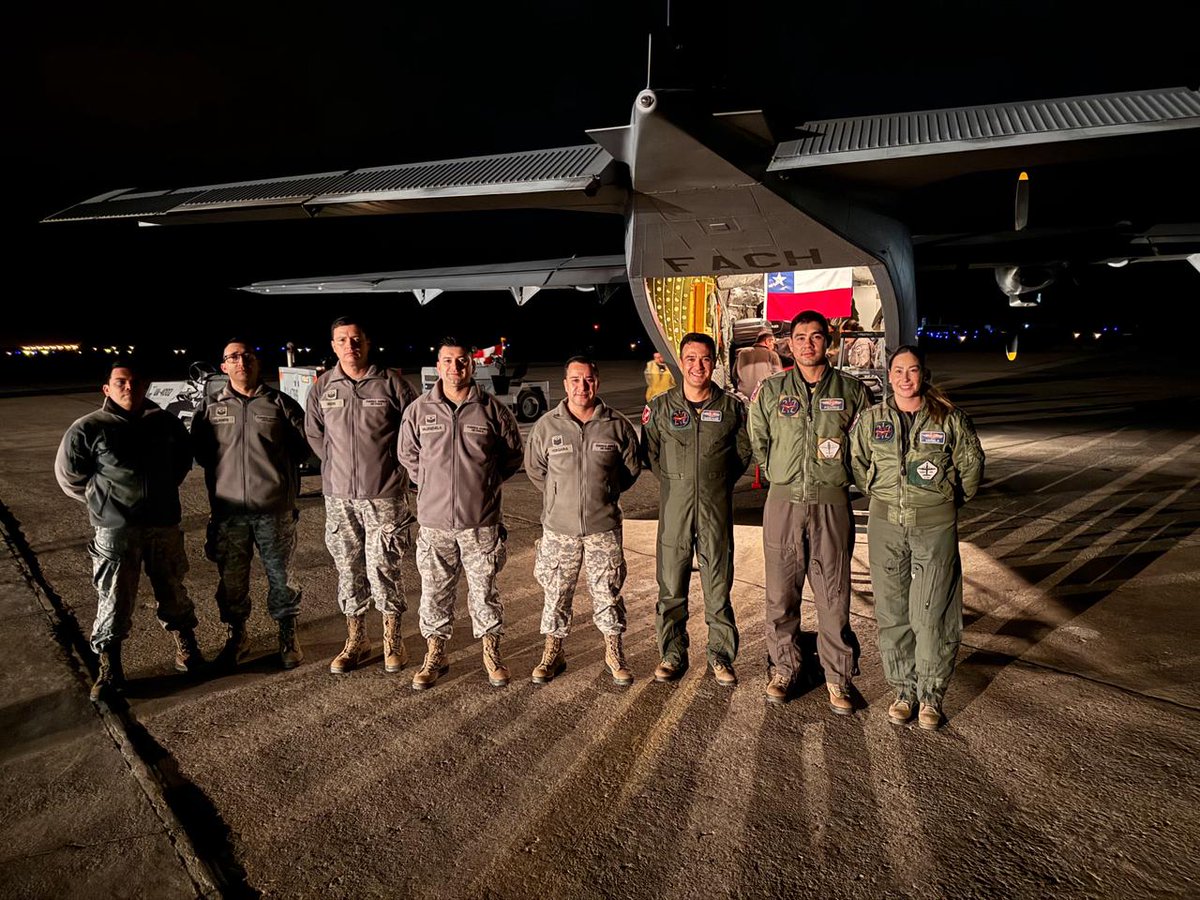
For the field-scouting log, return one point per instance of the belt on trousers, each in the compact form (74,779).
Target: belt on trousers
(942,514)
(816,493)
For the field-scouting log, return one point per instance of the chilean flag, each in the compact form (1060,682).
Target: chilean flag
(828,291)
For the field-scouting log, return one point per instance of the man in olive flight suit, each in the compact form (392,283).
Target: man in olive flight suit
(694,439)
(799,420)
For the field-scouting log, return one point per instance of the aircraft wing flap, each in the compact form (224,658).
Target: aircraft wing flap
(568,272)
(582,176)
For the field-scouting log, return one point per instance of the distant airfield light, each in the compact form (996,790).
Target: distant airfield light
(1026,325)
(1075,334)
(961,338)
(595,326)
(1096,335)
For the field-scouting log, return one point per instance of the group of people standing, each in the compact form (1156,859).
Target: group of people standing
(811,429)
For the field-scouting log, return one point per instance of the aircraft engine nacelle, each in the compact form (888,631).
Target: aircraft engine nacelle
(1016,281)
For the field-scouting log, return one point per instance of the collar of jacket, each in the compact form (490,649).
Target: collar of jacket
(602,411)
(794,372)
(110,406)
(228,393)
(436,393)
(373,371)
(891,401)
(678,394)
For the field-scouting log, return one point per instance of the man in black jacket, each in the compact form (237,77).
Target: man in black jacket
(125,461)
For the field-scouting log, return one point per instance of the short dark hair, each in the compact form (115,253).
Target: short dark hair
(133,364)
(697,337)
(343,321)
(238,339)
(810,315)
(583,361)
(451,341)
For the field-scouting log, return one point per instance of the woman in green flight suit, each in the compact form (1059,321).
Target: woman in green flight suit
(918,458)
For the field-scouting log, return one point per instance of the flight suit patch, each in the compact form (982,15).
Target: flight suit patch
(604,446)
(923,473)
(789,406)
(260,418)
(933,437)
(330,400)
(475,429)
(645,414)
(832,404)
(884,431)
(374,402)
(680,418)
(829,448)
(431,429)
(710,415)
(219,415)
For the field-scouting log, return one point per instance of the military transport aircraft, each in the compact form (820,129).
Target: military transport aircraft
(714,205)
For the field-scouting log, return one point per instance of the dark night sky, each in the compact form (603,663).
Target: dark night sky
(106,98)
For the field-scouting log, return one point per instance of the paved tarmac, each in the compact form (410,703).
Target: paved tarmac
(1068,766)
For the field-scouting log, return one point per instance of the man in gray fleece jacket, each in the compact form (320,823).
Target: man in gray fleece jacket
(352,421)
(582,456)
(250,441)
(459,444)
(125,461)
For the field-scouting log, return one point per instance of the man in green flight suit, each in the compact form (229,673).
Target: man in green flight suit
(694,438)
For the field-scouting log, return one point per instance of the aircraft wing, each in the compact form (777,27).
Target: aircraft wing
(566,178)
(522,279)
(913,149)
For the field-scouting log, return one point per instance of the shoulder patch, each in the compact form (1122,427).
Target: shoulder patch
(645,414)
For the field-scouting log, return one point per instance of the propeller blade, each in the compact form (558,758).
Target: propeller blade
(1022,202)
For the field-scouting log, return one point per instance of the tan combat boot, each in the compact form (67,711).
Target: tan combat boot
(930,717)
(668,670)
(109,677)
(395,654)
(839,699)
(357,648)
(614,658)
(434,666)
(187,653)
(235,647)
(290,654)
(497,671)
(777,688)
(900,711)
(553,661)
(724,675)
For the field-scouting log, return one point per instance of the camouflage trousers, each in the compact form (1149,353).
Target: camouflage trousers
(367,540)
(118,557)
(556,568)
(442,558)
(231,546)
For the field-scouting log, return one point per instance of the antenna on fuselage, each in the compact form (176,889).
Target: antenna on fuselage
(649,54)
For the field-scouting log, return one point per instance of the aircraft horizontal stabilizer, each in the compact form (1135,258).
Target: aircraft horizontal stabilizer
(580,272)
